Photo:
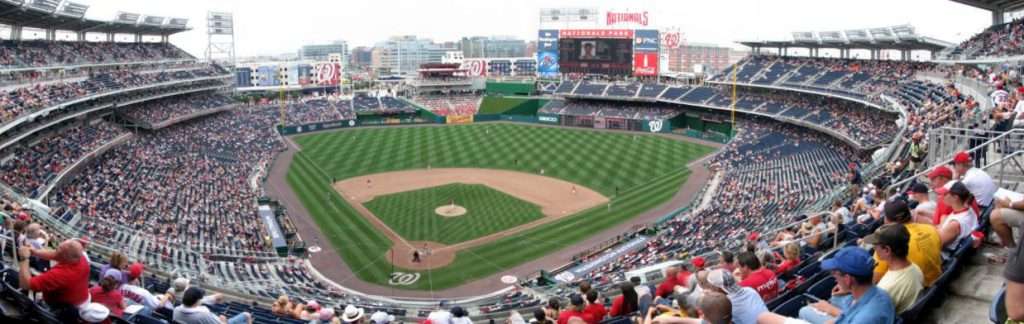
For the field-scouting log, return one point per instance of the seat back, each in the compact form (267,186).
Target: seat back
(823,288)
(791,307)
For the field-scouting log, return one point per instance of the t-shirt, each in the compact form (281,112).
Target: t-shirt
(941,209)
(786,266)
(112,299)
(65,283)
(980,185)
(666,287)
(440,317)
(873,307)
(925,252)
(746,306)
(194,315)
(926,208)
(903,286)
(563,317)
(683,277)
(140,296)
(1015,265)
(596,311)
(967,220)
(764,282)
(845,214)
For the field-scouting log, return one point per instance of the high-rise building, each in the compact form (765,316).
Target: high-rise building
(320,52)
(495,46)
(709,57)
(361,56)
(405,54)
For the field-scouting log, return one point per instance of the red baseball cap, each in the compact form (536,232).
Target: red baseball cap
(135,270)
(698,262)
(753,236)
(962,157)
(942,171)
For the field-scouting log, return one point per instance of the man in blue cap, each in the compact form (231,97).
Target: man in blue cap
(855,299)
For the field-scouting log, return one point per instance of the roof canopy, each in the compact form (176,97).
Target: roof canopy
(54,14)
(885,38)
(1001,5)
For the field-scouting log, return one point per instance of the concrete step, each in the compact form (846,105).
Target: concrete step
(969,296)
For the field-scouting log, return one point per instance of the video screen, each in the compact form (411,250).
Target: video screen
(597,56)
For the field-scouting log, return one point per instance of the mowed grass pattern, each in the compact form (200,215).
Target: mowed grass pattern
(488,211)
(647,169)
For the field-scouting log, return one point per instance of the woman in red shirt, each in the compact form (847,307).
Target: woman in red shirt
(108,292)
(791,252)
(627,303)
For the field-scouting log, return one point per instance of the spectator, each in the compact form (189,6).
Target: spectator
(552,308)
(575,310)
(939,178)
(854,300)
(1014,274)
(924,249)
(439,316)
(813,230)
(957,226)
(192,312)
(282,307)
(177,289)
(540,318)
(324,316)
(903,280)
(1006,216)
(757,277)
(117,261)
(595,309)
(791,254)
(666,287)
(66,285)
(306,312)
(460,316)
(108,292)
(924,212)
(626,303)
(728,261)
(584,288)
(380,317)
(978,182)
(746,303)
(838,209)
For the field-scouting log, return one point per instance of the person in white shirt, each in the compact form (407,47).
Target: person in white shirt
(925,209)
(957,226)
(440,316)
(979,183)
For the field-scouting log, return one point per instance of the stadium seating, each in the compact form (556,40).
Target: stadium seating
(450,104)
(160,111)
(1003,40)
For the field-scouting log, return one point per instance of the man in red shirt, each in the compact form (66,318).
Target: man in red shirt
(757,277)
(668,286)
(594,309)
(574,310)
(66,285)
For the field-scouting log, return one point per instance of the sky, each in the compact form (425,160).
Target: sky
(265,27)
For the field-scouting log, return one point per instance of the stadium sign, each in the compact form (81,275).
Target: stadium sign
(595,33)
(474,68)
(327,73)
(645,63)
(552,119)
(646,40)
(403,279)
(671,39)
(613,18)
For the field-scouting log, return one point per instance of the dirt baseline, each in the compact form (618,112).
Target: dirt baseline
(557,198)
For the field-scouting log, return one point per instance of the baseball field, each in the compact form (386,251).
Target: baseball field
(515,193)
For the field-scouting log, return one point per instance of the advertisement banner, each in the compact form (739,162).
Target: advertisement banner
(646,40)
(637,18)
(596,33)
(459,119)
(599,123)
(547,53)
(658,126)
(474,67)
(645,64)
(548,118)
(327,73)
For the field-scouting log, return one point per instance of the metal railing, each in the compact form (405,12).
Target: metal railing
(944,143)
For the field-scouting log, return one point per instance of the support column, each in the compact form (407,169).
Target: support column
(997,16)
(16,31)
(81,36)
(138,38)
(110,37)
(51,34)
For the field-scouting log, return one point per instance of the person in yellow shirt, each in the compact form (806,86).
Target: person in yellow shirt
(925,247)
(904,280)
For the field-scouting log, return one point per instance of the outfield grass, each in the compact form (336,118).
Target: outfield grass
(411,213)
(647,170)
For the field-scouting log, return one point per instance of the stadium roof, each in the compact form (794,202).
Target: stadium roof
(885,38)
(1003,5)
(54,14)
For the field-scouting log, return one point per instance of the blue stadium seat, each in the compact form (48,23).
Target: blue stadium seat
(143,319)
(823,288)
(791,307)
(923,299)
(997,313)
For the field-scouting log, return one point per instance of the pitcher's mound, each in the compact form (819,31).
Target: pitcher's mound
(450,210)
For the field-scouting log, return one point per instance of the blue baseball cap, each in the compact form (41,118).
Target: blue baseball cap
(851,260)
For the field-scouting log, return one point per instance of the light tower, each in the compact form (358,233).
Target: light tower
(220,38)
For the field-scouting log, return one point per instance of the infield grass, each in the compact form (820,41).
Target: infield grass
(645,170)
(411,213)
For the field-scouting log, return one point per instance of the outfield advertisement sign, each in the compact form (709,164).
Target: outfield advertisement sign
(459,119)
(547,53)
(646,40)
(548,118)
(645,63)
(657,126)
(298,129)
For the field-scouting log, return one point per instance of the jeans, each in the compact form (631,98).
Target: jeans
(812,315)
(241,318)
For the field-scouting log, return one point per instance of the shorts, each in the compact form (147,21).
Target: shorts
(1015,265)
(1013,217)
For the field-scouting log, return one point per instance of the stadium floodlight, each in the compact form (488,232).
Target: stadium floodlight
(177,22)
(127,17)
(883,33)
(153,20)
(804,37)
(904,32)
(72,9)
(45,5)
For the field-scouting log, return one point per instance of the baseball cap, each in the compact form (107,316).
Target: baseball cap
(698,262)
(940,171)
(889,235)
(962,157)
(94,312)
(380,317)
(115,274)
(896,210)
(576,299)
(723,280)
(135,270)
(850,260)
(919,188)
(753,236)
(326,314)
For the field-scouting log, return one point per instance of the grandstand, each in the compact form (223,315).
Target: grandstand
(140,151)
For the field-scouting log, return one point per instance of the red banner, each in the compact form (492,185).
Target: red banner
(645,63)
(327,73)
(596,33)
(639,18)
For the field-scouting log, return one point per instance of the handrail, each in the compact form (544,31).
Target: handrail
(982,146)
